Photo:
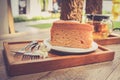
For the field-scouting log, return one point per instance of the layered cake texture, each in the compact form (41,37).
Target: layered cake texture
(71,34)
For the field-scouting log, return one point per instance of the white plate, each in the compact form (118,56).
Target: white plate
(70,50)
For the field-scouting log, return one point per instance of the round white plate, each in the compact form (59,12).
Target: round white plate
(70,50)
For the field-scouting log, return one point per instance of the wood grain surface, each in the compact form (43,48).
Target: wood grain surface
(56,60)
(99,71)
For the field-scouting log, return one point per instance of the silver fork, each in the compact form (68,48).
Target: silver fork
(39,51)
(29,53)
(23,50)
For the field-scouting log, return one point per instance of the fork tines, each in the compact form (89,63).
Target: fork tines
(35,51)
(30,56)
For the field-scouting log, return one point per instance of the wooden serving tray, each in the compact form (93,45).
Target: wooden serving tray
(56,60)
(112,39)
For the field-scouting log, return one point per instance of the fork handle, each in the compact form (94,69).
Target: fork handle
(18,52)
(31,44)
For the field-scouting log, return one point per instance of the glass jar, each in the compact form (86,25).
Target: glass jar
(102,25)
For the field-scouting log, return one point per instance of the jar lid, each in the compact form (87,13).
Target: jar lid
(97,17)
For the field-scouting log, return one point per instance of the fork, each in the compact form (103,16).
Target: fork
(23,50)
(39,51)
(29,53)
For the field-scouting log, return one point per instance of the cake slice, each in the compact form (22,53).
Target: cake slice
(71,34)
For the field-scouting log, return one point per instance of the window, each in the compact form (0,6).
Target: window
(22,6)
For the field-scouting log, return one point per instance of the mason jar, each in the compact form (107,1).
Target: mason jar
(102,25)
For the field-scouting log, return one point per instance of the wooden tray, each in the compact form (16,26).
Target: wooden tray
(112,39)
(56,60)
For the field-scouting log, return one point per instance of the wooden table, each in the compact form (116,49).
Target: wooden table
(109,70)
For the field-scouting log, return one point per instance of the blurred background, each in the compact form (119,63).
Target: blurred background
(34,15)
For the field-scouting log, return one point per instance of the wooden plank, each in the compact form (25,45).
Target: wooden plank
(112,39)
(10,17)
(115,75)
(54,61)
(7,50)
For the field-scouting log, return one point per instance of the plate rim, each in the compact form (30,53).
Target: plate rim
(57,48)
